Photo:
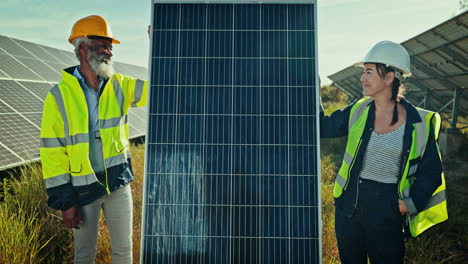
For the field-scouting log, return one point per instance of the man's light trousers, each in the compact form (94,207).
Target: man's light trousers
(117,208)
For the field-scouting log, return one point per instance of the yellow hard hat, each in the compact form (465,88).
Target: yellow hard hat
(92,26)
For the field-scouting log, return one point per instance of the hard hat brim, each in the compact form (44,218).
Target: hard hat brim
(361,65)
(114,41)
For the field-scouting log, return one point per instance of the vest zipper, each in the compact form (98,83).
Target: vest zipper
(357,180)
(352,164)
(404,161)
(102,149)
(407,220)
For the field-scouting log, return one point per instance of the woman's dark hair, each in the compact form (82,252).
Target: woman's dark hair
(398,89)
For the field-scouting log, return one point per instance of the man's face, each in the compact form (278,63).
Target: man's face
(99,57)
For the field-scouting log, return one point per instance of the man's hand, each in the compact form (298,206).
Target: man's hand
(72,217)
(403,209)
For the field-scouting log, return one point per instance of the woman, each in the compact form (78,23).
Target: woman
(391,167)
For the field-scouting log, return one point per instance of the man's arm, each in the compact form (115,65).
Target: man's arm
(55,163)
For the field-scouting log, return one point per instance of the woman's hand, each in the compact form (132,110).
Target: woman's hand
(403,209)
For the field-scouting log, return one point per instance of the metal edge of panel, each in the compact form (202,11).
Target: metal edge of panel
(20,163)
(148,114)
(233,2)
(317,134)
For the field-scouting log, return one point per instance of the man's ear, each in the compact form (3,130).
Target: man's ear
(389,77)
(83,50)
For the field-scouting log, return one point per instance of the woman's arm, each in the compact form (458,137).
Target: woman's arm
(336,124)
(428,177)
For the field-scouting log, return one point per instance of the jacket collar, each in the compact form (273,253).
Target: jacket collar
(412,115)
(70,70)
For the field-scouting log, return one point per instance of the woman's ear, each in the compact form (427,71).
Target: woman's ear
(389,77)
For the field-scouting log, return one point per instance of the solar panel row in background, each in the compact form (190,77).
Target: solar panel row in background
(27,72)
(231,163)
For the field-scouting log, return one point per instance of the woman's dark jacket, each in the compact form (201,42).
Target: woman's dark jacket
(429,170)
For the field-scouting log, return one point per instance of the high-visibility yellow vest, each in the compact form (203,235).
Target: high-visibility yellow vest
(436,209)
(65,135)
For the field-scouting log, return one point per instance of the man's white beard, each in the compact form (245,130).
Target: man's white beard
(105,70)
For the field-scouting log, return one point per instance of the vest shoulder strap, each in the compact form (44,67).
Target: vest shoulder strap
(357,110)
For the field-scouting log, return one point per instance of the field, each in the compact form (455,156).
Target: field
(33,233)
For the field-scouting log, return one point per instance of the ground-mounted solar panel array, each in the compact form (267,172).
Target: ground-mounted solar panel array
(232,156)
(27,72)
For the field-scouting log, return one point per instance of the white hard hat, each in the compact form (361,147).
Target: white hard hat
(391,54)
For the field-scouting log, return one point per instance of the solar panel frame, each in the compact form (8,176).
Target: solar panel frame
(167,65)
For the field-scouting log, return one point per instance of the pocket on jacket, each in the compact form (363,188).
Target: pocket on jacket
(121,144)
(75,167)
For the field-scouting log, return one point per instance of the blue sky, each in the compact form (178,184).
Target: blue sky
(346,28)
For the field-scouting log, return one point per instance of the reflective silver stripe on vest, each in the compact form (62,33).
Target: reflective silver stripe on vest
(405,193)
(348,158)
(114,122)
(118,94)
(52,142)
(340,180)
(436,199)
(55,91)
(421,138)
(358,112)
(83,179)
(116,160)
(138,92)
(57,180)
(78,138)
(421,132)
(62,142)
(412,170)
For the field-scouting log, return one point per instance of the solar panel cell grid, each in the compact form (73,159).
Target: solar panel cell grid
(4,108)
(43,70)
(37,51)
(61,56)
(16,70)
(2,74)
(13,48)
(20,136)
(7,158)
(19,98)
(39,89)
(36,118)
(231,151)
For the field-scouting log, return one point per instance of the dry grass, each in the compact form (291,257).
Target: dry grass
(31,232)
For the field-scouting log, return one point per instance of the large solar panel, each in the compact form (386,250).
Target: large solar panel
(231,149)
(27,72)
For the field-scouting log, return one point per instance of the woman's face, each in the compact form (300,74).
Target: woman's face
(372,83)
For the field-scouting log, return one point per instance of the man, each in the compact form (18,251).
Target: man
(84,143)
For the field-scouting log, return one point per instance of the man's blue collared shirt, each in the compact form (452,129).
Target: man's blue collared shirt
(92,100)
